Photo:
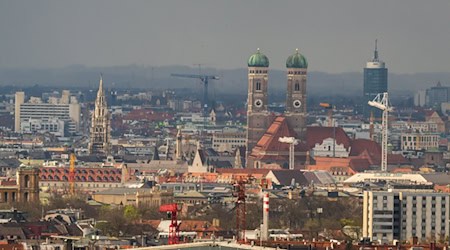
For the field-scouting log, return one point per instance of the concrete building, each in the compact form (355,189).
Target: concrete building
(419,141)
(420,98)
(437,95)
(228,141)
(398,215)
(139,197)
(60,112)
(53,126)
(375,82)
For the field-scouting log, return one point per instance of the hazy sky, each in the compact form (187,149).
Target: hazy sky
(334,35)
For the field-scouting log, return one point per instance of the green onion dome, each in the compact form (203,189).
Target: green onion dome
(258,60)
(296,60)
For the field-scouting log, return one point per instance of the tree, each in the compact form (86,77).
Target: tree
(131,213)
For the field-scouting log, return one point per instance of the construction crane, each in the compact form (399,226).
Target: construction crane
(239,193)
(72,173)
(292,142)
(381,102)
(330,109)
(205,80)
(174,232)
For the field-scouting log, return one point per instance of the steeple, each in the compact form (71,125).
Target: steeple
(100,125)
(100,87)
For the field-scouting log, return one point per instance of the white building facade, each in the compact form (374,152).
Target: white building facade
(41,114)
(397,215)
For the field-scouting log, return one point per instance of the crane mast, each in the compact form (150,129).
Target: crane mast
(381,102)
(174,231)
(205,80)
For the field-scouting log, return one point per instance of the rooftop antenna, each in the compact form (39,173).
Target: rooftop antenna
(375,53)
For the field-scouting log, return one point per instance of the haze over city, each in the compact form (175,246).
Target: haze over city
(336,36)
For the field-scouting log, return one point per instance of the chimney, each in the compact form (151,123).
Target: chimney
(265,225)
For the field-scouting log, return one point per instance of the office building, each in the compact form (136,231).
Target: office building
(437,95)
(35,115)
(375,82)
(419,141)
(398,215)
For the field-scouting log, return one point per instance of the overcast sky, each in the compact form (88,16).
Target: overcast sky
(334,35)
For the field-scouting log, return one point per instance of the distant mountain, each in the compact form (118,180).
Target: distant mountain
(232,81)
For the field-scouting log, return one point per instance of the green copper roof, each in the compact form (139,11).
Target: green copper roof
(258,60)
(296,60)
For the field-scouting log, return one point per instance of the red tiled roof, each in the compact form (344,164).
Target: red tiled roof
(429,112)
(397,159)
(147,115)
(242,171)
(197,225)
(269,141)
(403,170)
(359,165)
(316,135)
(269,148)
(361,145)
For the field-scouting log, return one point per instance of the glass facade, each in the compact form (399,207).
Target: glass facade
(375,82)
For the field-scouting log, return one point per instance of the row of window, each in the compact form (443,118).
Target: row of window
(422,139)
(296,86)
(85,185)
(229,141)
(258,71)
(79,171)
(82,178)
(296,72)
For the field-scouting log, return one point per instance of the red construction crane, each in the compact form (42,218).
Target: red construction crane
(174,233)
(239,193)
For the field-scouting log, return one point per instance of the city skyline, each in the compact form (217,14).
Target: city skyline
(336,37)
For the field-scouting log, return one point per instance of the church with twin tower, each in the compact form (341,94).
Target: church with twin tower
(263,127)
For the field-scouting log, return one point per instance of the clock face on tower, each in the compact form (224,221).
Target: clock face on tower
(297,104)
(258,103)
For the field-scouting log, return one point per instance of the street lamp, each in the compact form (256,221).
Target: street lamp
(292,142)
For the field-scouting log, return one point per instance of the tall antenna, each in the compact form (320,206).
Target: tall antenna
(375,53)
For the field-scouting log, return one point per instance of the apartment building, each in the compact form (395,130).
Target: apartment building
(399,215)
(419,141)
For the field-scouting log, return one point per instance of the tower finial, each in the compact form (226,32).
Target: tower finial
(101,82)
(375,54)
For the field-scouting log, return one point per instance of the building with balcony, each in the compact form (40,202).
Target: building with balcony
(398,215)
